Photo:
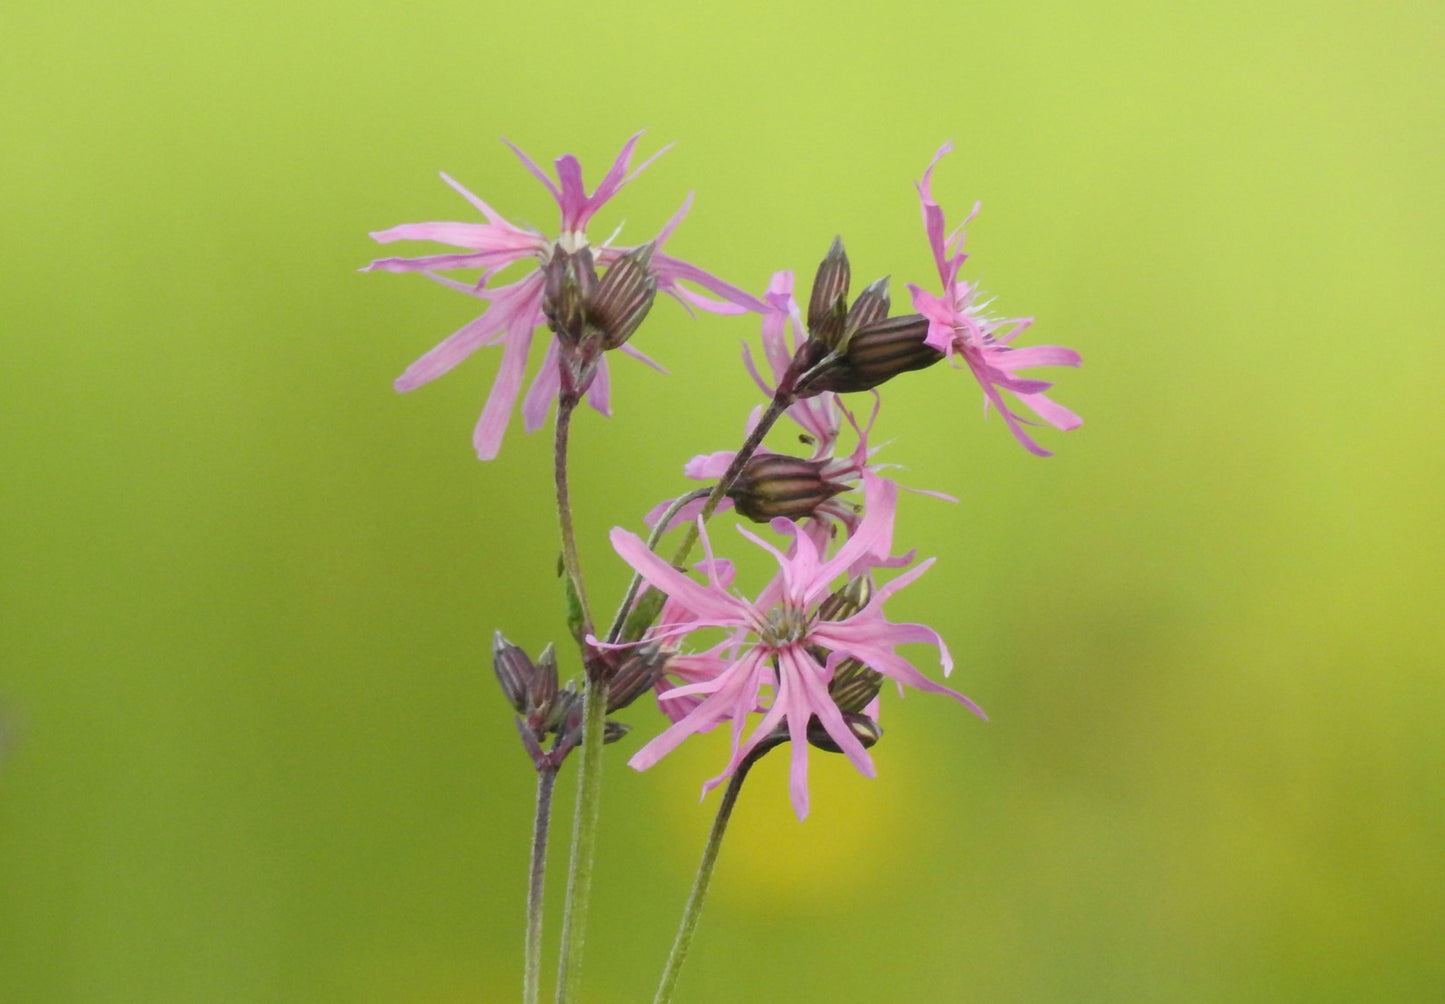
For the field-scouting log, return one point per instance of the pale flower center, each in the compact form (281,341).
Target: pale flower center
(786,625)
(572,241)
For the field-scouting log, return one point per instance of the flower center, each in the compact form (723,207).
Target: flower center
(787,625)
(572,241)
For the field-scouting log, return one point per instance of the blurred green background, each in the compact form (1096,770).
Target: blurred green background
(255,751)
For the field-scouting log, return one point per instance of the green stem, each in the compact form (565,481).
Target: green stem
(571,562)
(663,524)
(584,842)
(693,911)
(594,714)
(531,975)
(633,624)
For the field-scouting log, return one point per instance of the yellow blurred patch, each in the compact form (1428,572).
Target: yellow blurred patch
(770,856)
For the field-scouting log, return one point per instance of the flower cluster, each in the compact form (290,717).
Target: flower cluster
(803,660)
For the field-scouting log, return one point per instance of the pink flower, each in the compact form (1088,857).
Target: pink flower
(781,656)
(783,335)
(958,326)
(515,310)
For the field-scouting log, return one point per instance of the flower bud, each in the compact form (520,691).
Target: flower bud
(870,307)
(569,282)
(854,685)
(638,672)
(515,672)
(623,297)
(772,484)
(828,304)
(565,714)
(843,603)
(875,353)
(867,731)
(544,681)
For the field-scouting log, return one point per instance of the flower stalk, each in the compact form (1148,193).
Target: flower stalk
(584,841)
(532,969)
(692,912)
(571,561)
(594,704)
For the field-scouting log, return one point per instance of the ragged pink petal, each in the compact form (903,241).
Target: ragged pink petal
(492,426)
(959,326)
(537,405)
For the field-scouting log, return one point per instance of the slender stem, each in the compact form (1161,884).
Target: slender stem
(693,911)
(531,975)
(594,714)
(630,624)
(663,525)
(571,562)
(584,842)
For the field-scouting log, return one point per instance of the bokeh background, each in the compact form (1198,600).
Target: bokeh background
(254,750)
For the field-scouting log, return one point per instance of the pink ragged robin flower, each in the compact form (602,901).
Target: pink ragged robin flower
(781,654)
(959,327)
(515,310)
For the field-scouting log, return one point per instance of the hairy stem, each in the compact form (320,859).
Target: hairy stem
(531,975)
(571,563)
(584,842)
(693,910)
(663,525)
(589,776)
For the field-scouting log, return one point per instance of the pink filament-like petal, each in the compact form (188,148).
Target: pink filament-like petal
(1037,355)
(709,466)
(813,679)
(448,353)
(543,391)
(732,690)
(1055,414)
(671,270)
(599,395)
(537,172)
(933,215)
(502,244)
(700,600)
(429,262)
(492,425)
(491,214)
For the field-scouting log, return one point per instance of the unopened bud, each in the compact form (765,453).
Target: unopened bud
(623,297)
(569,282)
(828,304)
(843,603)
(875,353)
(870,307)
(865,729)
(544,680)
(638,672)
(514,672)
(854,685)
(772,484)
(566,711)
